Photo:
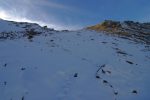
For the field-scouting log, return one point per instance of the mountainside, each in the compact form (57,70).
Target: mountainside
(14,30)
(139,32)
(38,63)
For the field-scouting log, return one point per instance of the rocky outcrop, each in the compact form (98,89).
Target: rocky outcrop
(139,32)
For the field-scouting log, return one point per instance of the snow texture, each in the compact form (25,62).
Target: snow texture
(72,65)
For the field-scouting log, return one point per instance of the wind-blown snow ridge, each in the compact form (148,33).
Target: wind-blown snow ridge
(44,64)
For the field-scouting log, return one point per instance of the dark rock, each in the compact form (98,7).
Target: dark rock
(104,81)
(92,39)
(30,37)
(22,98)
(129,62)
(109,72)
(5,83)
(103,66)
(111,24)
(121,52)
(116,93)
(111,86)
(103,71)
(76,75)
(5,65)
(51,40)
(65,30)
(104,42)
(23,68)
(97,76)
(31,33)
(45,27)
(134,91)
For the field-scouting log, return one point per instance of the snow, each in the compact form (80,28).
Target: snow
(44,68)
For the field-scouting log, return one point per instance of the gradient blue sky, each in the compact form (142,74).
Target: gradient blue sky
(73,14)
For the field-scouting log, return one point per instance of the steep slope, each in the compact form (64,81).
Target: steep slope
(139,32)
(77,65)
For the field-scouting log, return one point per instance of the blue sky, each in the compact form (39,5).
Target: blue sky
(73,14)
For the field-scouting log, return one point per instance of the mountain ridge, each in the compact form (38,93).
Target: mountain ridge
(136,31)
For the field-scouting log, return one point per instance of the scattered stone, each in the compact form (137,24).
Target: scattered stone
(104,42)
(121,52)
(134,91)
(65,30)
(76,75)
(5,83)
(103,71)
(22,98)
(52,45)
(51,40)
(92,39)
(116,93)
(5,65)
(129,62)
(104,81)
(108,72)
(23,68)
(103,65)
(113,43)
(30,37)
(97,76)
(45,27)
(111,86)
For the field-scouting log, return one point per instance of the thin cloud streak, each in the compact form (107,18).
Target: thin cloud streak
(51,4)
(31,11)
(4,15)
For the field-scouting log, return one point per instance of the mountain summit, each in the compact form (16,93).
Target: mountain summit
(136,31)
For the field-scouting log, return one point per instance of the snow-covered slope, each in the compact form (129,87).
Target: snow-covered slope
(74,65)
(13,30)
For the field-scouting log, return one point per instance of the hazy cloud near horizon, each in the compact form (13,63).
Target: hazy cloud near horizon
(34,11)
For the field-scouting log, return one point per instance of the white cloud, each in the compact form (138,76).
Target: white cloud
(31,11)
(4,15)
